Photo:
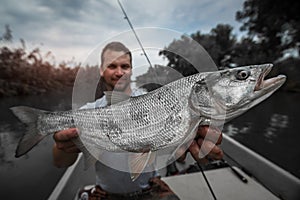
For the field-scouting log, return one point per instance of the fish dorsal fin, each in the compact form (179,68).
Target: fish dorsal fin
(138,161)
(114,97)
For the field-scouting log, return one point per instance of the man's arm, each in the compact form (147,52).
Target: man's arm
(65,151)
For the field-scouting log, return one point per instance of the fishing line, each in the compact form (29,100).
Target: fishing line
(137,38)
(207,182)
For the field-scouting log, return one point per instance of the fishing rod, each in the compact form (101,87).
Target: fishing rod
(136,36)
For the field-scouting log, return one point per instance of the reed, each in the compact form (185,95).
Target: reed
(25,73)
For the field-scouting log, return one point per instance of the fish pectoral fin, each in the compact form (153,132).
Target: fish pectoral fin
(191,133)
(138,161)
(88,158)
(114,97)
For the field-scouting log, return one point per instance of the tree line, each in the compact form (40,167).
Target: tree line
(272,36)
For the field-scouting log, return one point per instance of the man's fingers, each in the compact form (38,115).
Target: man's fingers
(63,140)
(64,145)
(210,133)
(201,148)
(65,135)
(205,144)
(216,156)
(195,150)
(181,154)
(68,147)
(208,148)
(72,149)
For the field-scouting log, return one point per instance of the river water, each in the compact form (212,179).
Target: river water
(32,176)
(271,129)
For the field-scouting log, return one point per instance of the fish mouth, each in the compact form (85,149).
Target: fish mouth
(269,84)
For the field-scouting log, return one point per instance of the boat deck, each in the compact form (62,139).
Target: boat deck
(224,183)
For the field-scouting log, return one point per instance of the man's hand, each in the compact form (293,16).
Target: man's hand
(65,151)
(205,145)
(63,140)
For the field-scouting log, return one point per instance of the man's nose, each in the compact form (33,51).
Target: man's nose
(119,71)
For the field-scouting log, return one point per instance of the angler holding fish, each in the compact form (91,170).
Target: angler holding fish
(115,70)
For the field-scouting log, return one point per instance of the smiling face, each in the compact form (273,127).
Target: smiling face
(116,70)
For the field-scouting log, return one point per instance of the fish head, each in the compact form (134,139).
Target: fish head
(226,94)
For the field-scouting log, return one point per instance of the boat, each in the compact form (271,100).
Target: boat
(242,174)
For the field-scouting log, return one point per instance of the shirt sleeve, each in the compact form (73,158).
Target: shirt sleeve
(96,104)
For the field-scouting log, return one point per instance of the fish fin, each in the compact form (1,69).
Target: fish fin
(88,158)
(114,97)
(138,162)
(26,114)
(191,133)
(32,136)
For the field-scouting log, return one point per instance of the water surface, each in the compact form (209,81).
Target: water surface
(272,130)
(32,176)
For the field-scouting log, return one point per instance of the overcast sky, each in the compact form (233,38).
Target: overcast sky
(70,29)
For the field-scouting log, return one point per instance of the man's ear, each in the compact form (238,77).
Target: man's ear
(101,71)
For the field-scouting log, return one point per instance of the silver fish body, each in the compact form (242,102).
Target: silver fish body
(159,119)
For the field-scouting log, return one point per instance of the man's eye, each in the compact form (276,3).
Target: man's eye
(125,66)
(111,66)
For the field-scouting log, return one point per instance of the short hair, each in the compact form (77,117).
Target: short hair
(115,46)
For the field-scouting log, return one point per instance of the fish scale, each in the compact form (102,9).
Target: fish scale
(162,121)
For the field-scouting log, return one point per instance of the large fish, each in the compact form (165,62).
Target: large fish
(163,118)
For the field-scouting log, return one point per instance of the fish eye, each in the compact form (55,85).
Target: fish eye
(242,74)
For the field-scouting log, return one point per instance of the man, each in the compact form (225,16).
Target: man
(116,71)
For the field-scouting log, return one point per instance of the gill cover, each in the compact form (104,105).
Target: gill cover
(200,98)
(204,99)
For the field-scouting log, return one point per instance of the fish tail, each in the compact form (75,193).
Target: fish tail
(32,136)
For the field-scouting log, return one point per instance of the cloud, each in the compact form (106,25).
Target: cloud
(70,28)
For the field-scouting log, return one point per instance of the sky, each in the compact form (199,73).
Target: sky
(72,29)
